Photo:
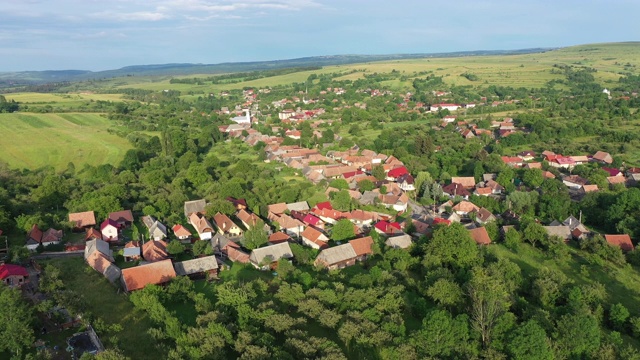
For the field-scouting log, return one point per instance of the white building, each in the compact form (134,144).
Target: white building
(246,119)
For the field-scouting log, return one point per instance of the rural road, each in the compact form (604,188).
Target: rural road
(55,255)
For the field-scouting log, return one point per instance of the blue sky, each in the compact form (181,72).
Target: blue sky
(108,34)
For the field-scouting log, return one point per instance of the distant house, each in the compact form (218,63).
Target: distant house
(388,228)
(36,237)
(279,237)
(131,251)
(82,220)
(196,267)
(465,207)
(136,278)
(110,231)
(290,225)
(561,231)
(158,231)
(480,236)
(362,247)
(194,207)
(202,226)
(231,250)
(455,189)
(622,241)
(226,226)
(301,206)
(336,257)
(484,216)
(181,233)
(248,219)
(399,242)
(240,204)
(527,155)
(92,234)
(264,258)
(589,188)
(574,182)
(468,182)
(13,275)
(602,157)
(614,180)
(314,238)
(154,250)
(406,182)
(123,218)
(395,174)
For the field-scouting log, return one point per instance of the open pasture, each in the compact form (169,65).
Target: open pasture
(35,140)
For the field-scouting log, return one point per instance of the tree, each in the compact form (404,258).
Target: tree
(445,292)
(341,200)
(452,246)
(202,247)
(423,179)
(378,172)
(618,316)
(16,333)
(489,300)
(577,336)
(175,247)
(366,185)
(512,238)
(339,184)
(220,206)
(530,342)
(535,233)
(533,177)
(255,236)
(342,230)
(441,336)
(522,202)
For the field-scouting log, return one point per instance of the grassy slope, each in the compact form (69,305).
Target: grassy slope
(37,140)
(112,307)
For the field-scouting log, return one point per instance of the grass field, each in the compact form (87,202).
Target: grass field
(71,98)
(529,70)
(35,140)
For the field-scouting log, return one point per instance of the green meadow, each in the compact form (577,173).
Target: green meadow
(33,141)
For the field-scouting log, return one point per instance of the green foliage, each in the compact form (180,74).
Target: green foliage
(342,230)
(446,293)
(451,246)
(175,247)
(340,184)
(577,335)
(512,238)
(202,247)
(618,316)
(341,200)
(255,236)
(529,342)
(16,334)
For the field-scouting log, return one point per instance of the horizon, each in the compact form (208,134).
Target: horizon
(92,36)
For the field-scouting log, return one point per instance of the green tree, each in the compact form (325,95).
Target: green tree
(446,293)
(489,301)
(442,336)
(533,177)
(255,236)
(202,247)
(366,185)
(530,342)
(175,247)
(16,334)
(535,233)
(341,200)
(451,246)
(342,230)
(577,336)
(378,172)
(512,238)
(618,316)
(340,184)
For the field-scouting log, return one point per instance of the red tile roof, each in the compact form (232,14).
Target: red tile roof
(623,241)
(397,172)
(278,237)
(7,270)
(83,219)
(180,230)
(154,250)
(122,215)
(138,277)
(362,246)
(92,234)
(480,236)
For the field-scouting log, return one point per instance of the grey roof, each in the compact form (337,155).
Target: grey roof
(368,198)
(193,266)
(194,206)
(131,251)
(572,222)
(97,245)
(218,241)
(563,232)
(112,273)
(337,254)
(148,221)
(275,252)
(487,177)
(298,206)
(401,242)
(158,229)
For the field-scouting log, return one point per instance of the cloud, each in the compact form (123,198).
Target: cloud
(132,16)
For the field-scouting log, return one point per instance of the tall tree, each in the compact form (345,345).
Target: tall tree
(16,333)
(489,300)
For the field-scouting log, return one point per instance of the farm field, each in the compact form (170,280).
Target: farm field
(36,140)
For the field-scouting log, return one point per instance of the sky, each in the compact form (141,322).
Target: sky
(109,34)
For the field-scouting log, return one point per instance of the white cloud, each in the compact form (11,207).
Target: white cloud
(132,16)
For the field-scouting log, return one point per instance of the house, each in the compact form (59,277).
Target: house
(455,189)
(226,226)
(82,220)
(35,237)
(155,250)
(131,251)
(123,218)
(512,161)
(444,106)
(388,229)
(264,258)
(290,225)
(612,171)
(13,275)
(406,182)
(589,188)
(397,202)
(394,174)
(99,257)
(158,231)
(181,233)
(336,257)
(527,155)
(194,207)
(480,236)
(561,231)
(362,247)
(574,182)
(614,180)
(399,242)
(248,219)
(239,204)
(231,250)
(110,231)
(136,278)
(301,206)
(198,266)
(362,217)
(602,157)
(484,216)
(202,226)
(52,236)
(483,191)
(468,182)
(279,237)
(465,207)
(622,241)
(92,234)
(314,238)
(276,209)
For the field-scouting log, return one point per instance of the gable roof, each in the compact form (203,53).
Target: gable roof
(7,270)
(194,266)
(278,208)
(154,250)
(480,236)
(315,236)
(158,228)
(97,245)
(274,252)
(336,254)
(138,277)
(180,230)
(108,222)
(248,218)
(397,172)
(362,246)
(298,206)
(122,215)
(83,219)
(467,181)
(35,233)
(484,215)
(52,235)
(223,222)
(455,189)
(563,231)
(235,254)
(278,237)
(324,205)
(623,241)
(201,224)
(399,242)
(92,234)
(194,206)
(465,206)
(603,157)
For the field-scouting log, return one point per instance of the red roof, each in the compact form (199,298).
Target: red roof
(480,236)
(7,270)
(278,237)
(387,227)
(108,222)
(441,221)
(623,241)
(122,215)
(362,246)
(324,205)
(397,172)
(154,273)
(311,220)
(611,171)
(180,230)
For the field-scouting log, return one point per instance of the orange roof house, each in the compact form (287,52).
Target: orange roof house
(155,250)
(362,246)
(83,219)
(623,241)
(480,236)
(136,278)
